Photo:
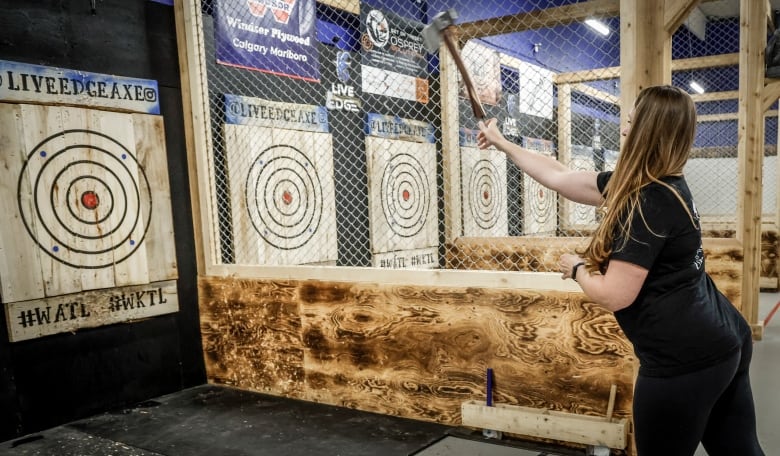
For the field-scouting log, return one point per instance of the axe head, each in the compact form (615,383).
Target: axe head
(431,33)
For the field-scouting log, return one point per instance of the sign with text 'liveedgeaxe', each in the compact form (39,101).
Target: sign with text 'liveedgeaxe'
(23,82)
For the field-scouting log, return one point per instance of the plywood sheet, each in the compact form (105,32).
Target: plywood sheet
(484,179)
(402,196)
(281,195)
(251,334)
(540,204)
(80,202)
(414,351)
(577,216)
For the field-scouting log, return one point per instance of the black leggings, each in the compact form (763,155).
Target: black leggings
(713,406)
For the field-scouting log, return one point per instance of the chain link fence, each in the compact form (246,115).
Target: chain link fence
(327,127)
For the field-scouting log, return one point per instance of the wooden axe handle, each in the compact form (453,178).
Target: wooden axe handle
(476,105)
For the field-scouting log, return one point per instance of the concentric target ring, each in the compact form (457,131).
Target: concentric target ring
(284,197)
(405,195)
(77,199)
(486,195)
(86,206)
(91,200)
(541,203)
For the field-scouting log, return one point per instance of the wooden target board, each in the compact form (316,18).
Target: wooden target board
(282,195)
(579,216)
(540,204)
(402,202)
(87,206)
(484,193)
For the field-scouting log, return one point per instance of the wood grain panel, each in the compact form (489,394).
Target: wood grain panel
(770,248)
(79,199)
(724,257)
(251,335)
(411,351)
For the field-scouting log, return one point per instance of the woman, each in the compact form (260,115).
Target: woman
(645,263)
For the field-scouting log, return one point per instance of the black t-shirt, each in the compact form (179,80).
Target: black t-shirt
(679,322)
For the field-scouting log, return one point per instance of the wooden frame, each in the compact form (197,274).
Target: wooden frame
(750,150)
(547,424)
(198,140)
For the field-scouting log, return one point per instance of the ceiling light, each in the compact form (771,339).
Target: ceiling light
(598,26)
(696,87)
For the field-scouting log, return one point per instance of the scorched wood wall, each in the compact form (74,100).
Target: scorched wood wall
(413,351)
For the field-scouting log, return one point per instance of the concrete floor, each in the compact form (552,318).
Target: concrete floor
(214,420)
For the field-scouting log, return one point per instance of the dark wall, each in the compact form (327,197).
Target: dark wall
(48,381)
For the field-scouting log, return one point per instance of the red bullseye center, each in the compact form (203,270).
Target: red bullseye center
(287,197)
(486,194)
(90,200)
(406,195)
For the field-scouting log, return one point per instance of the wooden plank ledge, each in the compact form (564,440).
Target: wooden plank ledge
(548,424)
(758,330)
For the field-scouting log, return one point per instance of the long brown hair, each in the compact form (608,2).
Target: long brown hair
(663,127)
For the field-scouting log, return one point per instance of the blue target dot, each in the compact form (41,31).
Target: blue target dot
(132,242)
(124,156)
(43,153)
(56,248)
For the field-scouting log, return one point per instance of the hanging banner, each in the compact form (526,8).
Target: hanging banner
(272,36)
(394,60)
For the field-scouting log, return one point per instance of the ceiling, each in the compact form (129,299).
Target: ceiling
(727,8)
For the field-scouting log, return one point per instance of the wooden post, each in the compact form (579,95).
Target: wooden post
(197,127)
(750,152)
(564,123)
(450,120)
(564,144)
(645,50)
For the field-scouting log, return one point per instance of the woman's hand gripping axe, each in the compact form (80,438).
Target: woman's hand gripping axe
(439,29)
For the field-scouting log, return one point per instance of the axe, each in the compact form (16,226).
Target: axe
(432,36)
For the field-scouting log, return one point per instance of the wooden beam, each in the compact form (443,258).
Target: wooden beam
(750,150)
(676,13)
(450,120)
(728,116)
(537,19)
(597,74)
(645,50)
(595,93)
(564,140)
(197,126)
(429,277)
(694,63)
(546,424)
(710,61)
(350,6)
(715,96)
(564,123)
(770,93)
